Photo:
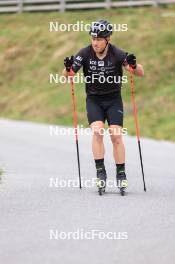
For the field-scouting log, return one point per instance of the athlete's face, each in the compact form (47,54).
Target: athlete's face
(98,44)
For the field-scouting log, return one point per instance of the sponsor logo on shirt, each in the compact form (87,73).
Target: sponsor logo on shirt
(93,62)
(109,63)
(100,63)
(79,58)
(93,68)
(77,63)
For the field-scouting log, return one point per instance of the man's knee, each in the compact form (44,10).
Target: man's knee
(116,139)
(115,134)
(98,130)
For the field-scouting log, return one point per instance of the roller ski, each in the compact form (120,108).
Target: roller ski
(122,182)
(101,180)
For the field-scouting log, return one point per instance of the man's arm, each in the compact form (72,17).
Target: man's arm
(74,62)
(131,61)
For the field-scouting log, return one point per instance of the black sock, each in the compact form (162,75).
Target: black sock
(99,163)
(120,168)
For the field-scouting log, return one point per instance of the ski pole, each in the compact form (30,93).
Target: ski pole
(75,126)
(136,122)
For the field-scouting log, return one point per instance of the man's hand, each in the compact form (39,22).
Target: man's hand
(131,60)
(68,61)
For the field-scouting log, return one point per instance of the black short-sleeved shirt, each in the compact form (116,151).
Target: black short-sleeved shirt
(103,70)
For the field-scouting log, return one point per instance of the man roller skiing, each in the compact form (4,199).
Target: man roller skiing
(104,101)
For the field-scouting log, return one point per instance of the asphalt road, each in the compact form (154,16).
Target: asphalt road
(37,217)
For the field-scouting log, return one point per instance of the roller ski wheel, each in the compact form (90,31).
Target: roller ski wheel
(101,191)
(101,180)
(122,183)
(122,191)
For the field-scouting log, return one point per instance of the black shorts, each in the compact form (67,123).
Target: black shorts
(105,107)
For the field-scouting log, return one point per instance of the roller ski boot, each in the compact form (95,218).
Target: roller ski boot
(101,180)
(122,182)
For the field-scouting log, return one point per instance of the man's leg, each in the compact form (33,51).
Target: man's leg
(118,145)
(96,119)
(97,140)
(119,155)
(98,152)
